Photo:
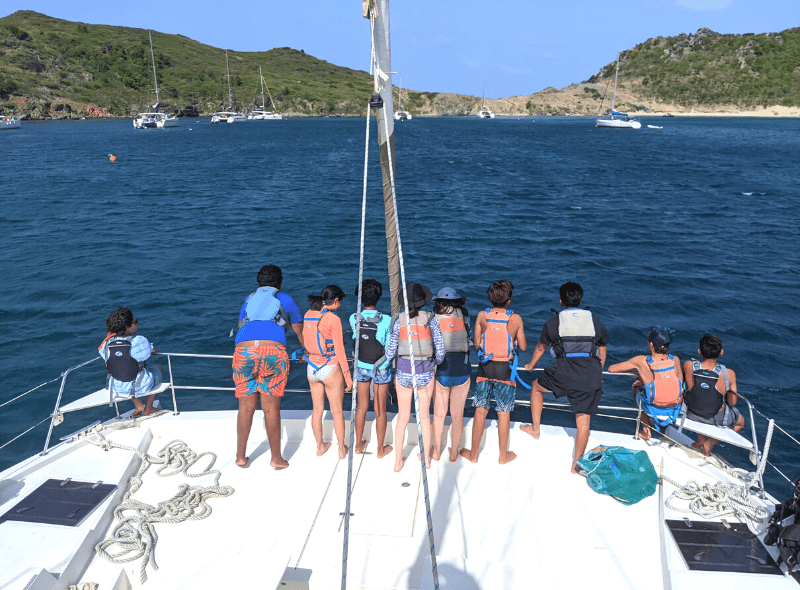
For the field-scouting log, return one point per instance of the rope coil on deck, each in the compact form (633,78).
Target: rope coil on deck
(136,534)
(718,500)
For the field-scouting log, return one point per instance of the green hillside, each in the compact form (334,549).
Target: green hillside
(708,68)
(49,67)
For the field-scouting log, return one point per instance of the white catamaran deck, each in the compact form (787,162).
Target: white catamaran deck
(530,523)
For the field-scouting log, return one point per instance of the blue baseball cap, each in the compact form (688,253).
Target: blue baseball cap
(447,293)
(660,337)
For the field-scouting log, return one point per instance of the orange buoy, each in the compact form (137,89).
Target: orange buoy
(112,157)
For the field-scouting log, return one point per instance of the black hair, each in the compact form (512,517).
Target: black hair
(446,306)
(119,321)
(661,349)
(371,293)
(270,276)
(412,311)
(500,292)
(571,294)
(710,346)
(328,294)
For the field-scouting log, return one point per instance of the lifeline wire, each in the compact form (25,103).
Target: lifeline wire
(422,450)
(354,396)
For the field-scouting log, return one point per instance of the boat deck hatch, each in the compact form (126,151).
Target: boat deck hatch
(57,501)
(711,547)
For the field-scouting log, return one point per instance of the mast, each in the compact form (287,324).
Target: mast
(152,55)
(262,87)
(614,96)
(400,93)
(383,65)
(483,101)
(230,95)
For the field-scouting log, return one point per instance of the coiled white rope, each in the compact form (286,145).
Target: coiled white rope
(135,533)
(718,500)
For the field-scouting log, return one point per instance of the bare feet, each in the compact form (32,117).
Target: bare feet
(534,432)
(453,454)
(360,447)
(468,455)
(323,448)
(244,462)
(508,458)
(150,411)
(279,463)
(697,444)
(575,469)
(427,463)
(384,450)
(343,451)
(644,433)
(398,465)
(436,454)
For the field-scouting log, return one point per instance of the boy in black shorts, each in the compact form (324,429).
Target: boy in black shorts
(579,344)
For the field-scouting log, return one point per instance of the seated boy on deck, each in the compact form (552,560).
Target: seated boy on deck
(711,392)
(660,374)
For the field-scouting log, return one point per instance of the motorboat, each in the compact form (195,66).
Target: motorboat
(261,113)
(10,123)
(616,119)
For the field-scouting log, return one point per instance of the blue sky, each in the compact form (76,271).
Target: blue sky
(518,46)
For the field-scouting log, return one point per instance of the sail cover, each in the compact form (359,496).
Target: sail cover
(618,114)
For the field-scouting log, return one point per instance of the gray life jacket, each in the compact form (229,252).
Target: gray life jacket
(576,335)
(704,399)
(455,331)
(421,337)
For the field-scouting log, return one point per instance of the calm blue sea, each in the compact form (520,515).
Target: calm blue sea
(694,227)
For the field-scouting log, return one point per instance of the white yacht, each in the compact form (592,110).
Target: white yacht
(616,119)
(229,116)
(484,112)
(262,114)
(10,123)
(154,120)
(400,114)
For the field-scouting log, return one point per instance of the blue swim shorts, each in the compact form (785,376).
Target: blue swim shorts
(449,381)
(503,393)
(379,377)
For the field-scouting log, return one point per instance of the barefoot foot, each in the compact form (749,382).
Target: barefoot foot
(508,458)
(398,465)
(528,428)
(467,454)
(453,454)
(343,451)
(279,463)
(384,450)
(243,462)
(360,447)
(323,448)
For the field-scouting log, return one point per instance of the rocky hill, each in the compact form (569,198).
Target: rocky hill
(52,68)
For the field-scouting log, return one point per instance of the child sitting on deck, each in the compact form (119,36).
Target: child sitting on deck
(660,387)
(711,392)
(125,353)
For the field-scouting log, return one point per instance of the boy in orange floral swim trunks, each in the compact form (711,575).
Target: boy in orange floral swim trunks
(260,362)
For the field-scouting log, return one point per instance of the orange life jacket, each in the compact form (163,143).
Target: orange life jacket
(421,337)
(496,342)
(666,388)
(315,344)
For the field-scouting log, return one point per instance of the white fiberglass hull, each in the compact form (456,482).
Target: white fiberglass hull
(402,116)
(618,123)
(167,122)
(264,116)
(10,123)
(485,115)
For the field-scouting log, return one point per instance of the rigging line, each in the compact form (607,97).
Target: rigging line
(423,451)
(330,481)
(31,391)
(357,335)
(24,433)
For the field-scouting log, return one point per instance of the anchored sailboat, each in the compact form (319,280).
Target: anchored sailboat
(484,113)
(400,114)
(262,114)
(616,119)
(229,116)
(154,119)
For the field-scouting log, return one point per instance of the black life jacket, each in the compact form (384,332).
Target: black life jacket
(576,335)
(703,398)
(120,364)
(369,347)
(786,537)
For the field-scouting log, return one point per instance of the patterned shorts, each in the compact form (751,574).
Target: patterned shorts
(380,377)
(504,395)
(260,369)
